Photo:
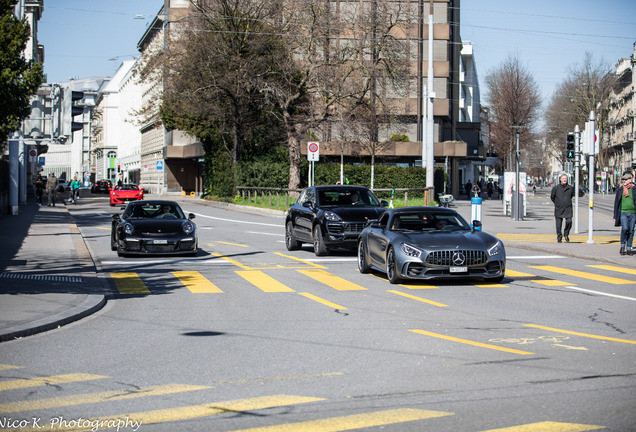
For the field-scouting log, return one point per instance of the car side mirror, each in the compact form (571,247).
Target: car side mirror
(191,216)
(384,203)
(116,217)
(374,223)
(476,224)
(309,205)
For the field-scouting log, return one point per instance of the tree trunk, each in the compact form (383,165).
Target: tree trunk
(294,160)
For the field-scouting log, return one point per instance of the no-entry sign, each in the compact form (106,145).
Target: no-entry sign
(313,151)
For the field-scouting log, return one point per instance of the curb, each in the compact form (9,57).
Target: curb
(91,304)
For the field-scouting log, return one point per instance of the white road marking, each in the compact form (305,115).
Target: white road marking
(128,262)
(601,293)
(534,256)
(238,221)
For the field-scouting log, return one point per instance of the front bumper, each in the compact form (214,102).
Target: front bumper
(443,265)
(147,246)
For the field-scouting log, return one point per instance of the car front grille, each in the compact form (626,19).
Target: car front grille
(346,227)
(445,258)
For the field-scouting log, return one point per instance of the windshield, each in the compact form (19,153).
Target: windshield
(154,210)
(428,221)
(127,187)
(347,197)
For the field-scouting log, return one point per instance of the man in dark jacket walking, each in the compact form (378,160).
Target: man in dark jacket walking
(561,196)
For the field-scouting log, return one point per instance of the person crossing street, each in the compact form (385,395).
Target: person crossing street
(561,196)
(75,187)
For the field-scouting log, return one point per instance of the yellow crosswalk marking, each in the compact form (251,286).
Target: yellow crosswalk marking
(129,283)
(331,280)
(418,286)
(263,282)
(491,285)
(548,426)
(581,334)
(145,418)
(313,265)
(469,342)
(323,301)
(89,398)
(7,367)
(614,268)
(434,303)
(585,275)
(356,421)
(196,282)
(50,380)
(514,273)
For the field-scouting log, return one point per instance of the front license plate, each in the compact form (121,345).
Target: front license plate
(458,269)
(160,242)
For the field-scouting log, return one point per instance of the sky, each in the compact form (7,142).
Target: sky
(86,38)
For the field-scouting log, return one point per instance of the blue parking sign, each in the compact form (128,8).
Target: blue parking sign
(159,165)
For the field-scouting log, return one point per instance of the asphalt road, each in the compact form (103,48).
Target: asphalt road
(249,335)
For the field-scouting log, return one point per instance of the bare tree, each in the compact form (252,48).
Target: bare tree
(514,101)
(586,87)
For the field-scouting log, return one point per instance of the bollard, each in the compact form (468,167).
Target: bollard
(475,212)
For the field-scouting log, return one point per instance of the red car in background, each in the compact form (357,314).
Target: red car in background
(121,194)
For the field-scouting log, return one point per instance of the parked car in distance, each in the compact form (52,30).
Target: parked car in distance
(102,186)
(123,193)
(62,185)
(429,243)
(330,217)
(153,227)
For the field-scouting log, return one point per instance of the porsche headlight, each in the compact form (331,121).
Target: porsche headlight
(331,216)
(129,228)
(188,227)
(495,249)
(411,251)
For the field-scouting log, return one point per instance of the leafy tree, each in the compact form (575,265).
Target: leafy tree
(587,83)
(514,101)
(19,78)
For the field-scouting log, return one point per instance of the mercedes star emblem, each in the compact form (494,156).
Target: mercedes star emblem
(459,258)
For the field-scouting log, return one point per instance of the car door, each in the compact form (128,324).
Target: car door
(377,241)
(303,215)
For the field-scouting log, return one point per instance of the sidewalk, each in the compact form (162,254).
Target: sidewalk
(48,278)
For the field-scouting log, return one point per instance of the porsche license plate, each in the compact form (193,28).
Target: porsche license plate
(160,242)
(459,269)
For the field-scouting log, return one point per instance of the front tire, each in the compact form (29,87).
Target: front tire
(391,267)
(290,239)
(113,242)
(363,262)
(320,249)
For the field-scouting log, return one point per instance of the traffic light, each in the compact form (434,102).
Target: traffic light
(76,110)
(569,146)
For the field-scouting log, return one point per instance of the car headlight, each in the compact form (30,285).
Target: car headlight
(411,251)
(331,216)
(188,227)
(495,249)
(129,228)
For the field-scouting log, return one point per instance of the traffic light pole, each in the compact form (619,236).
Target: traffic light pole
(591,177)
(577,163)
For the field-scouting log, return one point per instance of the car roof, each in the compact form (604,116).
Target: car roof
(430,209)
(153,202)
(321,187)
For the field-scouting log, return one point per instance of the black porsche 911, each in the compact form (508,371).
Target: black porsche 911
(153,227)
(430,243)
(330,217)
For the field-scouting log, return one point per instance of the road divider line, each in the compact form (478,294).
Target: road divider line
(90,398)
(263,281)
(47,381)
(129,283)
(548,426)
(627,341)
(196,282)
(585,275)
(145,418)
(232,244)
(313,265)
(331,280)
(236,263)
(7,367)
(434,303)
(323,301)
(355,421)
(469,342)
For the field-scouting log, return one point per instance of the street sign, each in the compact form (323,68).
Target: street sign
(33,153)
(313,151)
(159,165)
(41,161)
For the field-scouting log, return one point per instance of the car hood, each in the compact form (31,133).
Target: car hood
(444,240)
(163,226)
(358,214)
